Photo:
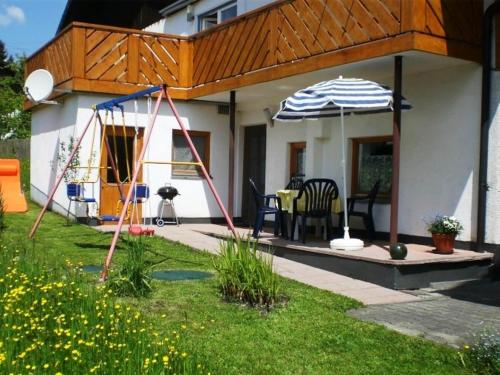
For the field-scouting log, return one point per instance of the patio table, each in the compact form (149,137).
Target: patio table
(287,197)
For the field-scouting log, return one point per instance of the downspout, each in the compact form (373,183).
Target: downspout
(485,123)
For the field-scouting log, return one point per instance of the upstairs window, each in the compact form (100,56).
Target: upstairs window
(217,15)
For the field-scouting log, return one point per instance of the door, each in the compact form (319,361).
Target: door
(123,146)
(254,167)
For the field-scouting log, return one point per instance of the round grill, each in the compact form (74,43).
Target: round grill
(167,192)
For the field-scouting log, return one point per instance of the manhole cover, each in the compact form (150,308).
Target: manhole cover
(180,275)
(92,269)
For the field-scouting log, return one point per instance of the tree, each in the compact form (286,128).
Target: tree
(12,114)
(5,61)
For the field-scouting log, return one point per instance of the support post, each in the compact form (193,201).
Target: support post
(137,168)
(396,139)
(60,177)
(232,126)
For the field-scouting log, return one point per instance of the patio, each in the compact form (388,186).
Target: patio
(372,264)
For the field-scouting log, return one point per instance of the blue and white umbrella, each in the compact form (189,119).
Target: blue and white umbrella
(339,97)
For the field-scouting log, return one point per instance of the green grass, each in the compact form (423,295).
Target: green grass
(311,334)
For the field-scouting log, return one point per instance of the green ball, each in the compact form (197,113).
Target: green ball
(398,251)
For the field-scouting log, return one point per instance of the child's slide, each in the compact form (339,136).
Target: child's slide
(10,186)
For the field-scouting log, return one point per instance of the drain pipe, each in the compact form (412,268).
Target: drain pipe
(485,124)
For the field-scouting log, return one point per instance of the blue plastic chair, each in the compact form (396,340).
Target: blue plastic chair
(264,207)
(74,192)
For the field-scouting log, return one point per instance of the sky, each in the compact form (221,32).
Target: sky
(26,25)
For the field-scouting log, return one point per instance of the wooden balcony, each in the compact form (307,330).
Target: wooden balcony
(282,39)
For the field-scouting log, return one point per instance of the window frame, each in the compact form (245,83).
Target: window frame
(356,142)
(218,10)
(295,147)
(183,174)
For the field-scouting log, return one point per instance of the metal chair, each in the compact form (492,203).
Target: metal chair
(318,196)
(264,207)
(366,216)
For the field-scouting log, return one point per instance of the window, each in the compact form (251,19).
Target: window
(371,161)
(216,16)
(181,152)
(297,158)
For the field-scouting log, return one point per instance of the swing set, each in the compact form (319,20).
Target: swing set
(137,193)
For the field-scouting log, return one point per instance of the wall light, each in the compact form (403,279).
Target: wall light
(189,13)
(269,117)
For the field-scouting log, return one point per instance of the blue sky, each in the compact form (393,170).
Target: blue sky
(25,25)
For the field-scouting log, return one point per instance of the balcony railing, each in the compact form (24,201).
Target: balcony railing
(316,33)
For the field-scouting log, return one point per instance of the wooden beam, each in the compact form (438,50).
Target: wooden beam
(119,88)
(232,127)
(78,52)
(396,140)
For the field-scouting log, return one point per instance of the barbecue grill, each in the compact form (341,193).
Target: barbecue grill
(167,194)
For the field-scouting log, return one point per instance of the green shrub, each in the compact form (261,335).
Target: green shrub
(245,275)
(134,277)
(483,355)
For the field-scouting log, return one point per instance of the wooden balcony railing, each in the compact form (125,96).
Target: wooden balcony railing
(284,38)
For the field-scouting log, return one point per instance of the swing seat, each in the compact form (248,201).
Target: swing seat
(109,218)
(136,230)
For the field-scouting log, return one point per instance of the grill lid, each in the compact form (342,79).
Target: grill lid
(167,192)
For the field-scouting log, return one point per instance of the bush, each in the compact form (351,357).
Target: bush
(134,278)
(52,321)
(483,356)
(246,276)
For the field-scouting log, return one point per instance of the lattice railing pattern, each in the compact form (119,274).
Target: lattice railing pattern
(55,57)
(281,33)
(293,30)
(158,60)
(106,55)
(454,19)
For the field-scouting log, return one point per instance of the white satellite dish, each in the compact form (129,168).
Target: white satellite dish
(39,85)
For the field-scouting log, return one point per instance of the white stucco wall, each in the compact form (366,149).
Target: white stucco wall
(177,23)
(493,194)
(56,123)
(439,148)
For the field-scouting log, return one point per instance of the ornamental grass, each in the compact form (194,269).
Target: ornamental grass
(53,322)
(245,275)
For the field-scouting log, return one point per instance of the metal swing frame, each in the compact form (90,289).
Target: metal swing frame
(109,105)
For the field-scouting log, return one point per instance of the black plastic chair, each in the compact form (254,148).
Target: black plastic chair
(366,216)
(264,207)
(319,194)
(295,182)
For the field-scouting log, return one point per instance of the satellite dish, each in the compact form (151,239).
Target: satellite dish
(39,85)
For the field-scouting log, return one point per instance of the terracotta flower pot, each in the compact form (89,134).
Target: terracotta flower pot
(444,242)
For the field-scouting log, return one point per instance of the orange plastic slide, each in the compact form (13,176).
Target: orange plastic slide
(10,186)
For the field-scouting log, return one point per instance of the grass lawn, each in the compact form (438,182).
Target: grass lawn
(310,335)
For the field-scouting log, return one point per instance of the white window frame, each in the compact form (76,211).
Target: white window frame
(202,17)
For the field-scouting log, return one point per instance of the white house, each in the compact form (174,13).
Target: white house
(266,53)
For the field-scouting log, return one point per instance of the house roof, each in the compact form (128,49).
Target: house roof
(122,13)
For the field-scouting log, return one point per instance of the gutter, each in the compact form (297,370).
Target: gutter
(176,6)
(488,19)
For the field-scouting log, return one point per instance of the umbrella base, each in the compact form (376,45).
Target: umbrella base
(347,244)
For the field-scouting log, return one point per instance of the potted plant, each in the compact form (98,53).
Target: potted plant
(444,229)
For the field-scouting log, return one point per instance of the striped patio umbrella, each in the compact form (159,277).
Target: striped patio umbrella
(339,97)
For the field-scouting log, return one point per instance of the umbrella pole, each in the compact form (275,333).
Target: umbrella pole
(344,187)
(347,243)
